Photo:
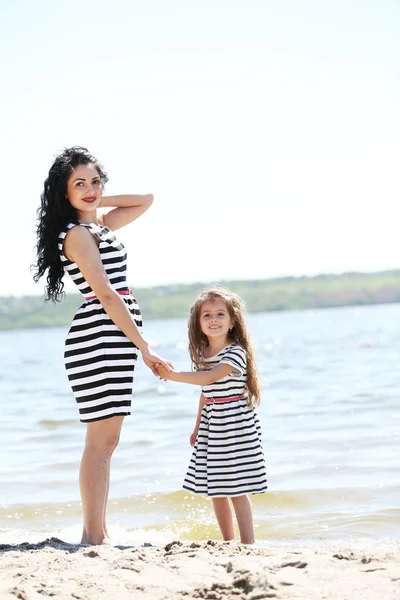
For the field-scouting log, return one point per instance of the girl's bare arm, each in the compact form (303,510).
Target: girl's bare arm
(202,402)
(193,437)
(197,377)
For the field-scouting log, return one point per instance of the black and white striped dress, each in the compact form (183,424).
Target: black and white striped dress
(99,358)
(228,458)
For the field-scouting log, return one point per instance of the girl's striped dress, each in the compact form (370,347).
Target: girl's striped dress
(228,458)
(99,358)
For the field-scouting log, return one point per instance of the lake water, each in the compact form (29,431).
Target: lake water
(331,426)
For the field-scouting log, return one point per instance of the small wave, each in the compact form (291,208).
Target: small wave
(182,415)
(158,390)
(55,423)
(143,443)
(31,361)
(310,530)
(313,515)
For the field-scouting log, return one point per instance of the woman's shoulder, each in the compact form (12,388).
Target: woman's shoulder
(67,228)
(71,235)
(78,229)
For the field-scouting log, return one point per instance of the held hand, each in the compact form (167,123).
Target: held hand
(164,373)
(193,437)
(154,362)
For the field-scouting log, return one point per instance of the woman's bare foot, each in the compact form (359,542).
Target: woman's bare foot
(110,542)
(101,541)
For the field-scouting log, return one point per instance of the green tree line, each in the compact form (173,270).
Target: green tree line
(169,301)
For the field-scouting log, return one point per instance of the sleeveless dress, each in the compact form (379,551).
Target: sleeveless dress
(228,458)
(99,358)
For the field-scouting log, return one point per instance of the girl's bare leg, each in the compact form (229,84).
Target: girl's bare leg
(94,478)
(244,517)
(223,512)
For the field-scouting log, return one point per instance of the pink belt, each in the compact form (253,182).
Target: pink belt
(120,292)
(212,400)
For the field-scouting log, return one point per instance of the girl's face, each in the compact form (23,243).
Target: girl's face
(84,188)
(215,320)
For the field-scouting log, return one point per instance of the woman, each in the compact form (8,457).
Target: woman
(75,234)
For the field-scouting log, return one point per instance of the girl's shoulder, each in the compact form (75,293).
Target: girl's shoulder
(233,348)
(233,351)
(235,356)
(226,350)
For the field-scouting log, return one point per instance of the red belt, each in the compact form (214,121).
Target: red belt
(120,292)
(212,400)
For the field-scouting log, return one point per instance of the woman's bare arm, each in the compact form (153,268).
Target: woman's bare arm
(81,248)
(125,209)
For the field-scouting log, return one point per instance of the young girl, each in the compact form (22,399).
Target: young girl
(75,235)
(227,460)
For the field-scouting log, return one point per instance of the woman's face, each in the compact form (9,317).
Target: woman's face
(84,188)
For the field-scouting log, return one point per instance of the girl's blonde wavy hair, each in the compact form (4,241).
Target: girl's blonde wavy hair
(239,335)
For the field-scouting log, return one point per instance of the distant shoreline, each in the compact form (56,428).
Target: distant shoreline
(261,295)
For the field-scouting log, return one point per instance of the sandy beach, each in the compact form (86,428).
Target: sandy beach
(209,570)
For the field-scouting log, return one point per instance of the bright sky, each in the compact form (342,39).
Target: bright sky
(268,130)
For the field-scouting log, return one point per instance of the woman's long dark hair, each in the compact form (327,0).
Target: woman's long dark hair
(54,214)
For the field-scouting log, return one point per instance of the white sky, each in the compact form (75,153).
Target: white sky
(268,130)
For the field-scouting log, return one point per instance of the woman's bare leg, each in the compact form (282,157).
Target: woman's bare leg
(105,504)
(94,478)
(244,517)
(223,512)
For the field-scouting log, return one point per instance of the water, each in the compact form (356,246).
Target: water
(331,424)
